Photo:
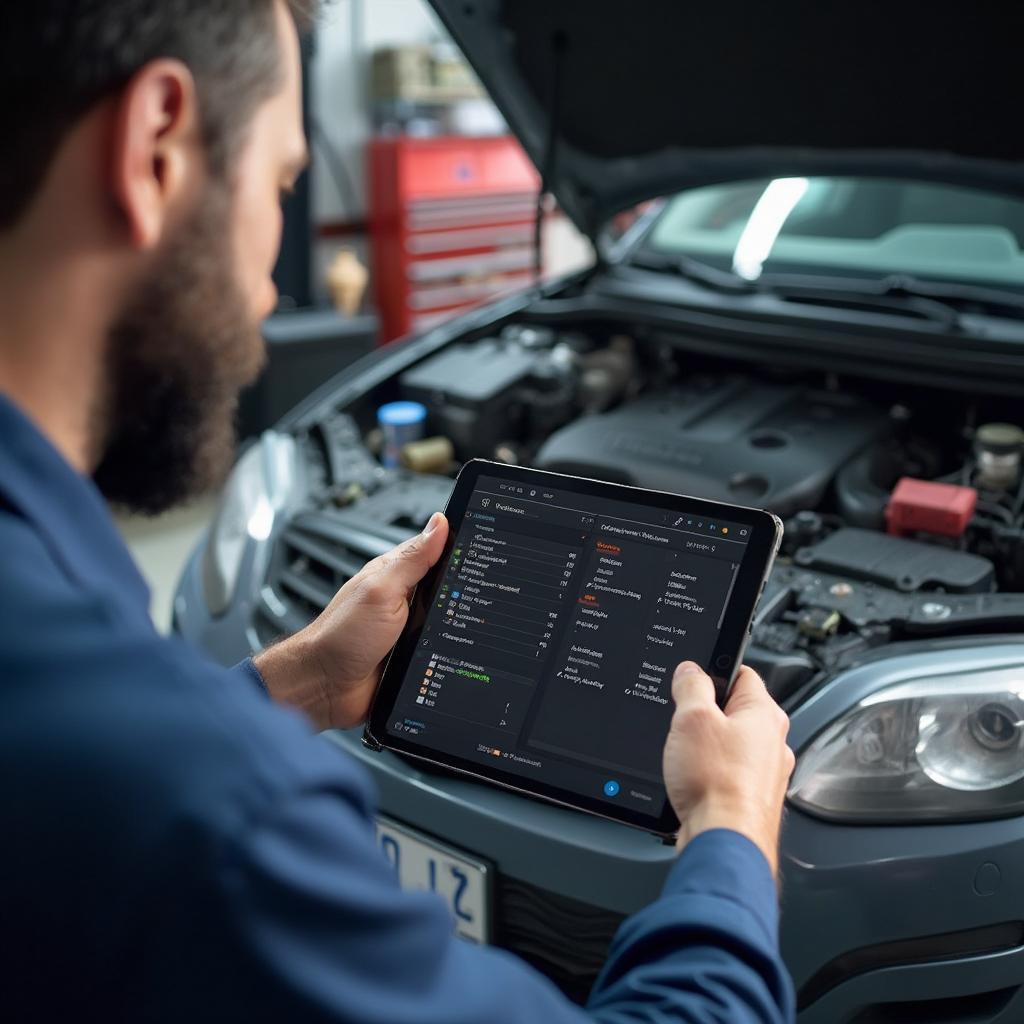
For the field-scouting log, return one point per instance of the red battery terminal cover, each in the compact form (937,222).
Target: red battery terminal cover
(921,506)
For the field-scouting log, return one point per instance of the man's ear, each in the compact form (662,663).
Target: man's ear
(156,153)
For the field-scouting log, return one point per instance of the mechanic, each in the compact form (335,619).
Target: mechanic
(178,845)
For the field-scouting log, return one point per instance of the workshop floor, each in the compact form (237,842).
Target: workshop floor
(160,548)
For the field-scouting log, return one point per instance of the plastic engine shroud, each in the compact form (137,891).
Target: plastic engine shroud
(728,439)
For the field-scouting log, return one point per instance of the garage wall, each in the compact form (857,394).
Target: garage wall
(350,31)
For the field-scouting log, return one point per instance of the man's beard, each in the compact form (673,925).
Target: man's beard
(178,357)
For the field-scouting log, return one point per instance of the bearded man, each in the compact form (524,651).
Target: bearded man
(178,844)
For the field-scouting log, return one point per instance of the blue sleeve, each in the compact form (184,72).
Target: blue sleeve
(250,675)
(708,948)
(307,923)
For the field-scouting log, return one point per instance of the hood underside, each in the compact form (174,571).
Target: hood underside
(617,102)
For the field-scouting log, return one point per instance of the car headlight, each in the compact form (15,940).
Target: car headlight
(938,749)
(260,485)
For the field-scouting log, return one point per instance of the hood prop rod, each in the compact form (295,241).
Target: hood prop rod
(548,164)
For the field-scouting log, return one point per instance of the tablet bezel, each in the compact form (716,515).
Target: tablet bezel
(766,535)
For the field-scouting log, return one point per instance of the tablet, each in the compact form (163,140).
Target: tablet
(539,651)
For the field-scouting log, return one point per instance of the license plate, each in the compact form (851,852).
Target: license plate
(421,862)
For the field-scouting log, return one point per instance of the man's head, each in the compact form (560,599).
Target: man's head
(157,137)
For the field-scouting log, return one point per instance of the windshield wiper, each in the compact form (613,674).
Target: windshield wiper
(942,302)
(937,300)
(951,292)
(695,270)
(897,295)
(844,293)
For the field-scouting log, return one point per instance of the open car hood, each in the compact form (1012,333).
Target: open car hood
(617,101)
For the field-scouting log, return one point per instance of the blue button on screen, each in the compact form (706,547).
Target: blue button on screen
(611,788)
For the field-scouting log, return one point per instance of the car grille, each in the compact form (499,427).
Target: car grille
(565,939)
(319,551)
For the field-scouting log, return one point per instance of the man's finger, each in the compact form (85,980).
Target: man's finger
(748,691)
(691,686)
(407,564)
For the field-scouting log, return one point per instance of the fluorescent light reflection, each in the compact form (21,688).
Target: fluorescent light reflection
(777,202)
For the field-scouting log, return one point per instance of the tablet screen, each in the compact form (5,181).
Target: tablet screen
(550,644)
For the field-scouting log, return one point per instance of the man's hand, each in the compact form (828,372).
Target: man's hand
(727,769)
(330,668)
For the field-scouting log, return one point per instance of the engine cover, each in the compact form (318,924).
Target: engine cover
(894,562)
(728,439)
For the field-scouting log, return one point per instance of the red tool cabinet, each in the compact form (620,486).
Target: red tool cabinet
(451,226)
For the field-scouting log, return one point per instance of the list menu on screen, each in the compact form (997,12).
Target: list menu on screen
(550,646)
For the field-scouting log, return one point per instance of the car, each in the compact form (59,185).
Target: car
(808,295)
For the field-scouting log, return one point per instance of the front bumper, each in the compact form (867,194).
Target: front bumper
(874,919)
(879,916)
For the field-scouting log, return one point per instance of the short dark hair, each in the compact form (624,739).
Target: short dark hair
(58,58)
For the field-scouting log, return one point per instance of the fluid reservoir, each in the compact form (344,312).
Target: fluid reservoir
(998,447)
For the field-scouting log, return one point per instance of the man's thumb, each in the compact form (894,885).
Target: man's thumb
(411,559)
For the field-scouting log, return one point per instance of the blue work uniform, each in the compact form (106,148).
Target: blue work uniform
(176,848)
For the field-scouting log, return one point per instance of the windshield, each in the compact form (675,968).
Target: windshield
(854,226)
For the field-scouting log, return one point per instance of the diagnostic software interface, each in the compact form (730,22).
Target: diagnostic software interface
(550,647)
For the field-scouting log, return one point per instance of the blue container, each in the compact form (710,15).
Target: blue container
(400,422)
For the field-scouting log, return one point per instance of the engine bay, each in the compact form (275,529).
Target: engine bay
(904,508)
